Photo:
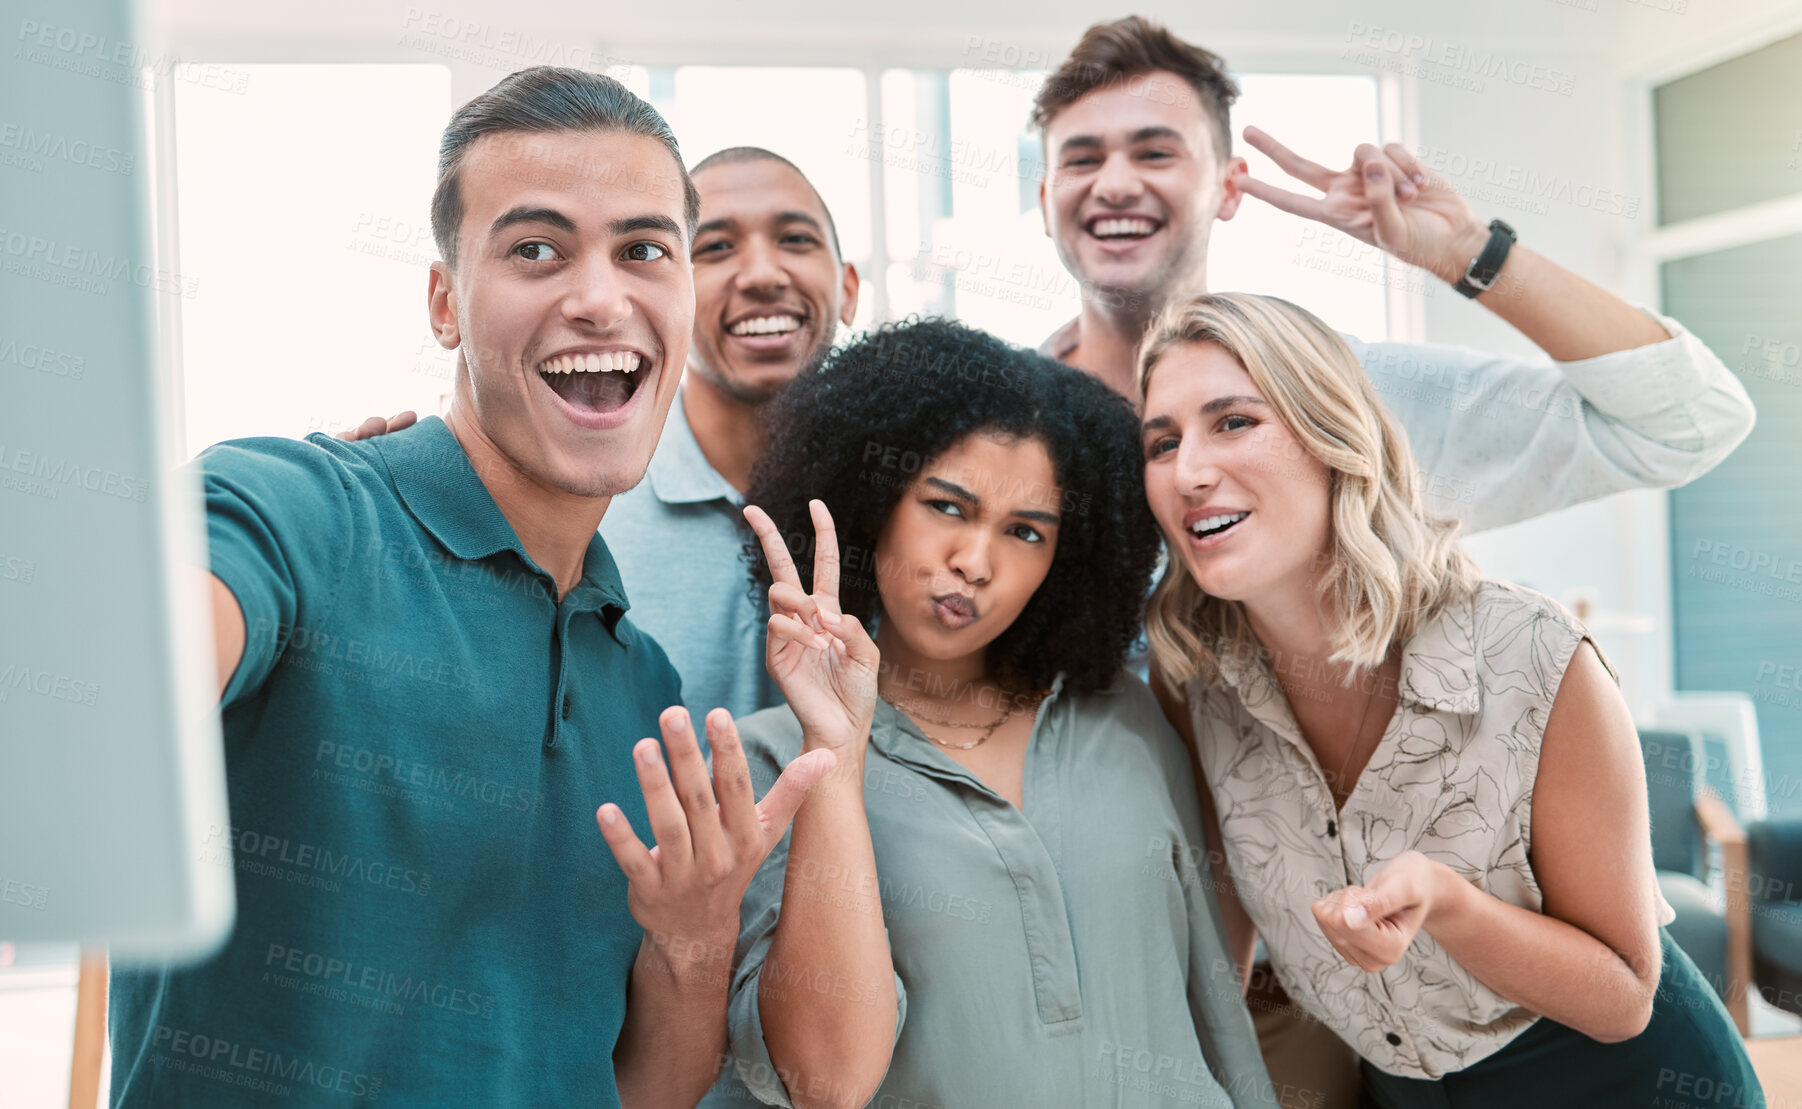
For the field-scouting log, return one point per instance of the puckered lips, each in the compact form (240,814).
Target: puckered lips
(1210,526)
(769,329)
(1121,232)
(594,386)
(955,610)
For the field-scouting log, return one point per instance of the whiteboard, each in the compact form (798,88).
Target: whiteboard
(111,767)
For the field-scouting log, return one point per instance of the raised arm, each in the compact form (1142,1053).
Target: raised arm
(833,1044)
(711,839)
(1634,401)
(228,627)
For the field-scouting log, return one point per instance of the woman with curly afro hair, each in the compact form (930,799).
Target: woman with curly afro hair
(997,895)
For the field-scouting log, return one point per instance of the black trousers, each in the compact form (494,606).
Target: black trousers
(1689,1057)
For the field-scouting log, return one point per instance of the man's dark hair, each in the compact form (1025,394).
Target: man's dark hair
(858,432)
(542,100)
(1114,53)
(734,155)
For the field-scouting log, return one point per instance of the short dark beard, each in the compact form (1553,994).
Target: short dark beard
(756,397)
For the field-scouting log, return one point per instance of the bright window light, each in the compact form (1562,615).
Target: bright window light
(303,210)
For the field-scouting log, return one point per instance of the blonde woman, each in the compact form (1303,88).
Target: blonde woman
(1427,785)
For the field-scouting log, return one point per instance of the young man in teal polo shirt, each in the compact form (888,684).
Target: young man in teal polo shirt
(429,683)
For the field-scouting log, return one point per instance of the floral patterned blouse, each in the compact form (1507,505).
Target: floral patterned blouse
(1452,778)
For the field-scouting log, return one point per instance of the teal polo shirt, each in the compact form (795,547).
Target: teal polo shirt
(416,742)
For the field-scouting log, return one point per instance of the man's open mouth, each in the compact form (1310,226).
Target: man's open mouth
(1122,229)
(600,382)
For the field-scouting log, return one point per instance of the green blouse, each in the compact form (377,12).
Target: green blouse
(1066,953)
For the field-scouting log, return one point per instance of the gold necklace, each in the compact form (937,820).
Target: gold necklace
(910,708)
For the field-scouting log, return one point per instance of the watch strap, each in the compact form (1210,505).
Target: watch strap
(1484,268)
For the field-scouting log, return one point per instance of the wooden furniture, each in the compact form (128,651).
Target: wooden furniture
(90,1032)
(1720,828)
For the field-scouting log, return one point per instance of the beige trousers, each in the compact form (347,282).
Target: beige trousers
(1310,1066)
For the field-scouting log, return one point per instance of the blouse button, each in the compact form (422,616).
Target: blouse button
(1394,1040)
(1332,829)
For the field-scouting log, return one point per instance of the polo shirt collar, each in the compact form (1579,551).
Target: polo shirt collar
(679,472)
(435,480)
(1060,343)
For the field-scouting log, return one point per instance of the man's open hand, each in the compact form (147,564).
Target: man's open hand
(712,835)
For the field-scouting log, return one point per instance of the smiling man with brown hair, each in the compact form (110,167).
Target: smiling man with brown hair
(1139,157)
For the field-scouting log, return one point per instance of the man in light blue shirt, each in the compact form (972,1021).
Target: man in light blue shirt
(770,291)
(677,541)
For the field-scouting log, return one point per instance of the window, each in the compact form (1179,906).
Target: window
(950,156)
(303,215)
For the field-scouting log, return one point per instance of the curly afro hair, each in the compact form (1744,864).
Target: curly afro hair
(856,433)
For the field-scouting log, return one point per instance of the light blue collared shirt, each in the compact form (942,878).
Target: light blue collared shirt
(678,541)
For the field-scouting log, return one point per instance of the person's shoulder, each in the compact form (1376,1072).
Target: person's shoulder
(316,461)
(1524,639)
(1060,343)
(291,477)
(1498,605)
(630,512)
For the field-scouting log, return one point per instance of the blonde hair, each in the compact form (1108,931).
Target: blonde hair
(1390,566)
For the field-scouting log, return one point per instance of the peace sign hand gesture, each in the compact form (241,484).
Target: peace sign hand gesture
(1386,198)
(823,661)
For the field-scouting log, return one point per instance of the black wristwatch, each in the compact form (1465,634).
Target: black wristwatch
(1485,266)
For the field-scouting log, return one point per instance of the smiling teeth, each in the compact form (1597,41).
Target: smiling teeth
(1213,523)
(765,325)
(614,361)
(1116,227)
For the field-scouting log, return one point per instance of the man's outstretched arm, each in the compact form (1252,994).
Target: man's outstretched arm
(1634,401)
(228,627)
